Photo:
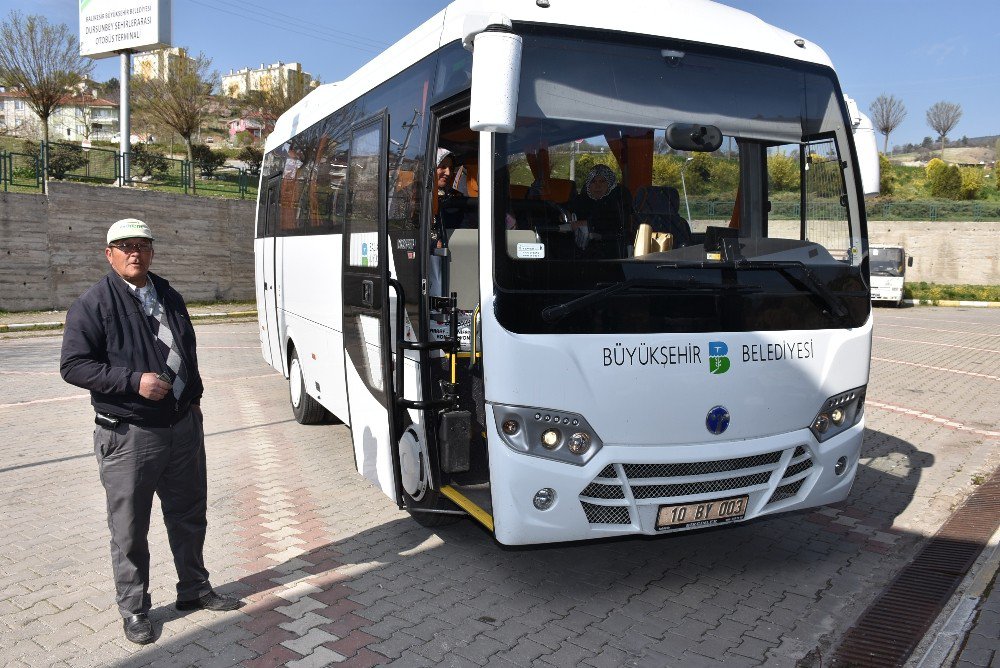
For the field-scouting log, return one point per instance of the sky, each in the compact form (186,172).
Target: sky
(921,51)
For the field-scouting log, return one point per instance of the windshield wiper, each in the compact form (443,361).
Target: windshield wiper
(808,278)
(560,311)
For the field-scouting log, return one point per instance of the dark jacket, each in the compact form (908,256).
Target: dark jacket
(108,343)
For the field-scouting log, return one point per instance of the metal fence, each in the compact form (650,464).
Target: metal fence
(23,167)
(912,210)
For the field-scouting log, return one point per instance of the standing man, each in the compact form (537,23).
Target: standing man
(129,340)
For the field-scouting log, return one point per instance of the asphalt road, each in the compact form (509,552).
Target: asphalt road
(334,574)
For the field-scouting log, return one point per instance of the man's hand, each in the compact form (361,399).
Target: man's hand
(152,387)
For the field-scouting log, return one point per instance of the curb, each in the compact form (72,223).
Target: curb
(948,302)
(34,326)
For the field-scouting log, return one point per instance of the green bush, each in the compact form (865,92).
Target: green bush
(973,180)
(666,171)
(206,160)
(947,183)
(62,158)
(783,171)
(886,176)
(933,169)
(252,157)
(147,161)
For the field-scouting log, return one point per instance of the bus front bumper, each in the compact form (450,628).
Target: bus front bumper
(637,489)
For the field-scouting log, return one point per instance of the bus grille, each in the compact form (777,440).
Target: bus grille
(606,514)
(618,488)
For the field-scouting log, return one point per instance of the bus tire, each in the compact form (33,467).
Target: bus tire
(431,500)
(306,409)
(418,493)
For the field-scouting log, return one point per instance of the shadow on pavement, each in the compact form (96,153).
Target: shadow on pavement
(801,577)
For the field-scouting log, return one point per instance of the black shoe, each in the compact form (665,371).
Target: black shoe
(210,601)
(138,629)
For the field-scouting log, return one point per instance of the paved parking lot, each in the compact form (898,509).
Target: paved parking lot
(333,573)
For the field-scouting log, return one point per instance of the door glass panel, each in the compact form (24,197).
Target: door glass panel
(363,198)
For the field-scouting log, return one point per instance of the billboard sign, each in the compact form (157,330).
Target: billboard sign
(110,26)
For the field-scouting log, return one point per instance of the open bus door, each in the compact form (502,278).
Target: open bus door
(367,335)
(267,273)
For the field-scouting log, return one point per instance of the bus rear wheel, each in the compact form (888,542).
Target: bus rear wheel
(423,502)
(306,409)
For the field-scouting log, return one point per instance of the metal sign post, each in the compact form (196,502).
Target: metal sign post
(124,115)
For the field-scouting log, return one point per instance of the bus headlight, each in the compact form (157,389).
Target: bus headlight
(839,412)
(543,432)
(551,439)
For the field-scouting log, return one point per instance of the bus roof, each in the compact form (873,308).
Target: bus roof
(701,21)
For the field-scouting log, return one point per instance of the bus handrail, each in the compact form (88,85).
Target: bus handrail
(401,343)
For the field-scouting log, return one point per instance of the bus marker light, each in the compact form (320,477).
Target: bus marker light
(511,427)
(579,443)
(551,438)
(822,424)
(544,498)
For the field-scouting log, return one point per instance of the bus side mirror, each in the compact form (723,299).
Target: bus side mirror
(909,261)
(866,147)
(496,75)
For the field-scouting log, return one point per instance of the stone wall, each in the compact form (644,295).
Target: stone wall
(52,246)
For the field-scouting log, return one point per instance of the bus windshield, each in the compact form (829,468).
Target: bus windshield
(764,232)
(887,262)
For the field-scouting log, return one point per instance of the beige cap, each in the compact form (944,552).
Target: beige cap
(128,228)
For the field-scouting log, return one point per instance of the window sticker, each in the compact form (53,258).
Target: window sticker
(364,249)
(530,251)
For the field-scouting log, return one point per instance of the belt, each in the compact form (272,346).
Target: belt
(112,421)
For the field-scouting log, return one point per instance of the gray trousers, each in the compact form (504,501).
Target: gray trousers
(136,462)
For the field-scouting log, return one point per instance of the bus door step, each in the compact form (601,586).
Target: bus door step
(455,438)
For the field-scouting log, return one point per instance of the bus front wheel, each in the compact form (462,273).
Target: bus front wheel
(306,409)
(423,502)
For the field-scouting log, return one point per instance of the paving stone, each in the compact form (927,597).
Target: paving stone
(306,644)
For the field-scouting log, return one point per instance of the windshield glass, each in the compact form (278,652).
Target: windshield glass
(887,262)
(590,192)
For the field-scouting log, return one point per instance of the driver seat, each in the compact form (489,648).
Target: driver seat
(659,207)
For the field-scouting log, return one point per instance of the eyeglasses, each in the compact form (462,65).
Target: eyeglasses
(133,248)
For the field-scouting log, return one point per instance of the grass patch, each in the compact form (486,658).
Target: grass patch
(938,292)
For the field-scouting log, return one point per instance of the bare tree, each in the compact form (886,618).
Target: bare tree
(943,117)
(42,60)
(887,113)
(179,100)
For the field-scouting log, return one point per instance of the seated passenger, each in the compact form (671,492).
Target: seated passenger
(603,215)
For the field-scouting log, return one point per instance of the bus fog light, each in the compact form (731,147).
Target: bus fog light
(840,466)
(579,443)
(551,438)
(837,416)
(821,424)
(511,427)
(544,498)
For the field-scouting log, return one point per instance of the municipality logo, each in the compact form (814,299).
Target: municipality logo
(717,360)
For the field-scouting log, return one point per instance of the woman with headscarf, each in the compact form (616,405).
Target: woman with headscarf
(603,215)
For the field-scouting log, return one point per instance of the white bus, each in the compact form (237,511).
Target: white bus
(888,273)
(515,333)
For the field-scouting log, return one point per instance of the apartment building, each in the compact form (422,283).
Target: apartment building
(277,76)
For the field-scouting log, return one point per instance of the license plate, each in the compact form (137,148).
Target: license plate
(704,513)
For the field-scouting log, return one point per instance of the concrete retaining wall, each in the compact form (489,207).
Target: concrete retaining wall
(52,247)
(945,252)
